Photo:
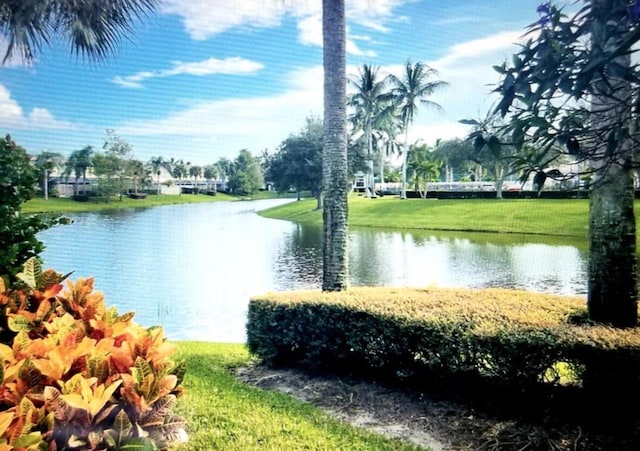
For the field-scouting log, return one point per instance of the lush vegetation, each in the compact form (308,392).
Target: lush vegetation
(223,413)
(79,375)
(529,216)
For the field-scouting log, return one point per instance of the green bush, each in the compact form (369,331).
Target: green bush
(512,340)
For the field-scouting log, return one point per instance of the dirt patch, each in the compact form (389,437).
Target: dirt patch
(424,421)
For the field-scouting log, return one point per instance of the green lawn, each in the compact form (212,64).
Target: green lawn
(224,413)
(527,216)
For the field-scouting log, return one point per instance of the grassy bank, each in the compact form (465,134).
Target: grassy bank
(60,205)
(224,413)
(527,216)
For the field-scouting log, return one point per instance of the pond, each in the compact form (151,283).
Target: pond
(193,267)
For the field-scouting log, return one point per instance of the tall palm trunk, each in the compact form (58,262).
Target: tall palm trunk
(371,192)
(612,294)
(334,158)
(403,193)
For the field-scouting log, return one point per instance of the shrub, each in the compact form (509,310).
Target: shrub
(78,375)
(516,340)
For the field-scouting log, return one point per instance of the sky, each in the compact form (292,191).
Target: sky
(200,80)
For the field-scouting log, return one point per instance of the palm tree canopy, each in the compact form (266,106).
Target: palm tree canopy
(413,87)
(92,27)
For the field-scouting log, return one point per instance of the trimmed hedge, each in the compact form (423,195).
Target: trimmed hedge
(515,340)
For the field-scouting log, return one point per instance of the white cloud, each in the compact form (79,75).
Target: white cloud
(231,124)
(12,116)
(205,19)
(310,29)
(228,66)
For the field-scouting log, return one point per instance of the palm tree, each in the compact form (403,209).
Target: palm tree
(410,89)
(195,172)
(424,166)
(156,164)
(47,161)
(371,101)
(78,162)
(93,29)
(211,172)
(334,162)
(387,128)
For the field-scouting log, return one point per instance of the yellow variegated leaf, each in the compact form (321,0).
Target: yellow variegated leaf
(101,396)
(5,421)
(6,353)
(19,323)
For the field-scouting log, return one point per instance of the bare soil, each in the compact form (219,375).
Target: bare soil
(426,421)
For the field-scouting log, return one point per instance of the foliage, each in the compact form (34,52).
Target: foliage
(424,167)
(298,162)
(93,29)
(247,176)
(567,61)
(410,90)
(418,336)
(78,375)
(455,154)
(491,150)
(79,162)
(18,231)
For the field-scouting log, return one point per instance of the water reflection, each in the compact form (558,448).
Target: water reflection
(192,268)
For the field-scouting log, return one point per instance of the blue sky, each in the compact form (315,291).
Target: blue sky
(201,80)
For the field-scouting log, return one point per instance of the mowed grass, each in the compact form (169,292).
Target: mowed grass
(553,217)
(223,413)
(61,205)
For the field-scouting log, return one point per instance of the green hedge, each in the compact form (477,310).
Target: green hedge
(511,339)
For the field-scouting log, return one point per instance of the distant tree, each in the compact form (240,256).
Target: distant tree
(456,157)
(247,176)
(211,173)
(156,164)
(424,167)
(93,28)
(227,169)
(18,232)
(195,172)
(371,100)
(107,167)
(491,149)
(180,171)
(410,89)
(46,162)
(79,162)
(298,162)
(121,160)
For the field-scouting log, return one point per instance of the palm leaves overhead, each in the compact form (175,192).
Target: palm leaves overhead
(410,90)
(93,28)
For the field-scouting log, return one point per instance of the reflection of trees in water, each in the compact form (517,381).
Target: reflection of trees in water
(369,255)
(299,260)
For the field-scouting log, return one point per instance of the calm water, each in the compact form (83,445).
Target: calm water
(192,268)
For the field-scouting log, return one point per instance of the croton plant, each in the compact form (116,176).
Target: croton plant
(77,375)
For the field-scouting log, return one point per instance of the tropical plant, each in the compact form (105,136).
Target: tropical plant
(93,29)
(18,232)
(211,172)
(424,167)
(335,183)
(195,172)
(410,90)
(78,375)
(156,164)
(574,86)
(372,101)
(79,162)
(46,162)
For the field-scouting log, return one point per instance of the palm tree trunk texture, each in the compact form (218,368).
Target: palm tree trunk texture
(334,158)
(405,151)
(612,289)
